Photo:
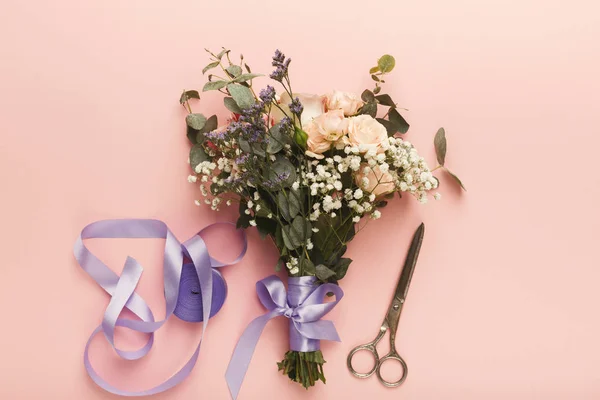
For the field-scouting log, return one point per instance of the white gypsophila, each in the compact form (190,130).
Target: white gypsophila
(437,196)
(197,202)
(294,270)
(376,214)
(356,219)
(192,178)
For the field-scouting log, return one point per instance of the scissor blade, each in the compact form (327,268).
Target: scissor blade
(410,263)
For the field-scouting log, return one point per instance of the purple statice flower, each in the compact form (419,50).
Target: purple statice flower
(281,65)
(276,180)
(296,107)
(217,134)
(267,94)
(241,159)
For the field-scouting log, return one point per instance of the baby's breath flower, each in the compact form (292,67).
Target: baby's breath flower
(252,222)
(192,178)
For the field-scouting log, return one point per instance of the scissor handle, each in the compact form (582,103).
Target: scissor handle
(371,348)
(392,355)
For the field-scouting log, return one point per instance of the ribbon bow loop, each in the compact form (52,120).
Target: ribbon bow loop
(302,304)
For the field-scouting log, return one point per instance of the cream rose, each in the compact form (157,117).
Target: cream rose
(324,130)
(314,105)
(366,133)
(377,182)
(349,103)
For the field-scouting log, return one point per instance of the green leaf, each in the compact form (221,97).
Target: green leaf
(195,121)
(254,148)
(341,267)
(307,267)
(439,142)
(222,53)
(242,95)
(398,120)
(369,108)
(188,94)
(386,63)
(386,100)
(282,166)
(210,66)
(246,77)
(247,68)
(289,204)
(211,124)
(290,237)
(377,89)
(367,96)
(214,85)
(197,155)
(192,135)
(265,226)
(456,179)
(276,139)
(374,70)
(231,105)
(375,78)
(302,227)
(324,273)
(234,70)
(390,127)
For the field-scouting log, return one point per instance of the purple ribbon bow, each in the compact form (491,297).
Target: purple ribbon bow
(193,291)
(304,307)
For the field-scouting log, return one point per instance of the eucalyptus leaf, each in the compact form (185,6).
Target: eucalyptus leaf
(242,95)
(369,108)
(386,63)
(324,273)
(456,178)
(307,267)
(222,53)
(440,146)
(367,96)
(374,70)
(231,105)
(214,85)
(234,70)
(192,135)
(276,139)
(341,267)
(254,148)
(375,78)
(390,127)
(246,77)
(282,167)
(188,94)
(265,226)
(195,121)
(377,89)
(302,228)
(197,155)
(290,237)
(288,204)
(210,66)
(386,100)
(211,124)
(398,120)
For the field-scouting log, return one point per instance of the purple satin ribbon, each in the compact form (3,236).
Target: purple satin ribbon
(193,291)
(304,307)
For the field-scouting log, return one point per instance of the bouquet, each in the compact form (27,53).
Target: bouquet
(308,171)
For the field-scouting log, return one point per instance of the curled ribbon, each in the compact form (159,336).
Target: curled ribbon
(194,291)
(304,306)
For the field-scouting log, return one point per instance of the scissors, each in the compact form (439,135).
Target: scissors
(390,323)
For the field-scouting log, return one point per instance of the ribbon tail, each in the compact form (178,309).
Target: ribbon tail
(321,330)
(242,354)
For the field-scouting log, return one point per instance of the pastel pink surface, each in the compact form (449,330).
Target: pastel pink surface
(504,300)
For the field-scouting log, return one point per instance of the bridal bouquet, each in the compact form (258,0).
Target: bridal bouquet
(308,171)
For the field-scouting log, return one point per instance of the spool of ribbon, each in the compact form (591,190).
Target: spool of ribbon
(304,306)
(194,291)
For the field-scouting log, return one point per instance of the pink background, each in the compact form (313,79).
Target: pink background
(504,301)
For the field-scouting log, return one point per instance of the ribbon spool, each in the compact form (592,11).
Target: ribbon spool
(194,290)
(189,301)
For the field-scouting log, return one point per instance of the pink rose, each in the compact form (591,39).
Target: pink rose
(349,103)
(366,133)
(324,130)
(313,107)
(379,183)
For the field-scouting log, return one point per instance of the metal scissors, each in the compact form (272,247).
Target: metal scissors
(390,323)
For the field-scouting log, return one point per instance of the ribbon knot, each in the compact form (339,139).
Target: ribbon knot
(303,304)
(182,284)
